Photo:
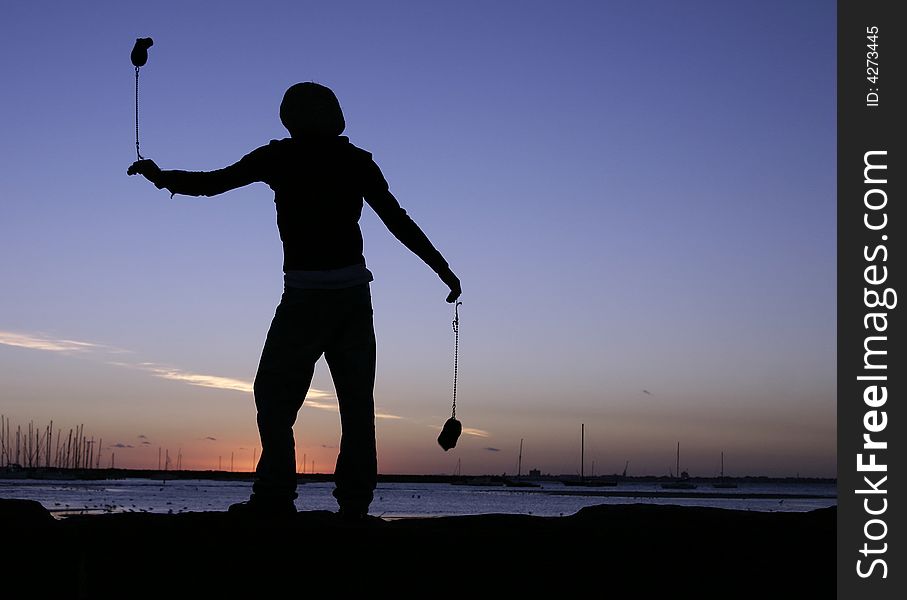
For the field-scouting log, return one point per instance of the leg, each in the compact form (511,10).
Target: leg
(351,358)
(293,346)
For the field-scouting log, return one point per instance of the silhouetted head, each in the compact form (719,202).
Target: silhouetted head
(311,109)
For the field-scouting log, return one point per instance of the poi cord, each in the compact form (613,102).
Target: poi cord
(137,152)
(456,329)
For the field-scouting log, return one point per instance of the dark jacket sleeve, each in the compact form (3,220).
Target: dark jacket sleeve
(249,169)
(377,194)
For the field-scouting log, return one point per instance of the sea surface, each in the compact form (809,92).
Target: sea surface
(400,500)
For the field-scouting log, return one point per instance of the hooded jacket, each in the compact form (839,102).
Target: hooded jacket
(319,185)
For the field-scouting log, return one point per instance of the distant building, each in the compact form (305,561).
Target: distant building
(535,473)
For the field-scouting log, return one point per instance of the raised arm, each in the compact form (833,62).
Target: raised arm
(202,183)
(385,205)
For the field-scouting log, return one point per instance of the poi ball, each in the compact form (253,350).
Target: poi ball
(139,54)
(450,433)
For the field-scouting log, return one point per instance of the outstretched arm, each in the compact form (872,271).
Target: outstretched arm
(199,183)
(405,229)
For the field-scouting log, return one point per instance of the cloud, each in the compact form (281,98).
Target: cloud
(476,432)
(42,342)
(468,431)
(490,449)
(146,443)
(319,405)
(121,445)
(142,436)
(314,398)
(310,401)
(213,439)
(379,415)
(198,379)
(226,383)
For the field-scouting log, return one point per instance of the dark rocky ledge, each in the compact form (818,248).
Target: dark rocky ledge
(631,551)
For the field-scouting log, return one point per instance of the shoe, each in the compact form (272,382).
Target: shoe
(353,515)
(263,508)
(360,516)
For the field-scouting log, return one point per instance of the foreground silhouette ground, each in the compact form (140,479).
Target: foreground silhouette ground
(628,550)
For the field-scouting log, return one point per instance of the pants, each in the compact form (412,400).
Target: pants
(307,324)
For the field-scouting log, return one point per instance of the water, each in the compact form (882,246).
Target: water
(392,500)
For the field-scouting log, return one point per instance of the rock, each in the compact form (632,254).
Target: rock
(23,513)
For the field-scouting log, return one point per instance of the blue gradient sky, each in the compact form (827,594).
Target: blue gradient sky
(636,196)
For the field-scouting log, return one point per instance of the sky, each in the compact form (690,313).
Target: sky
(638,197)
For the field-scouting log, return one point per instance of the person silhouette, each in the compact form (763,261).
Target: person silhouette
(319,180)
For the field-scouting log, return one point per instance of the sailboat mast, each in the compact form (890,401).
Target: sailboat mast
(582,452)
(519,468)
(722,464)
(677,473)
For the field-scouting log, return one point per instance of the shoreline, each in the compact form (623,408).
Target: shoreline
(159,474)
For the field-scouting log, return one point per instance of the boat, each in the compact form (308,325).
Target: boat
(518,482)
(582,481)
(723,482)
(592,482)
(482,481)
(683,482)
